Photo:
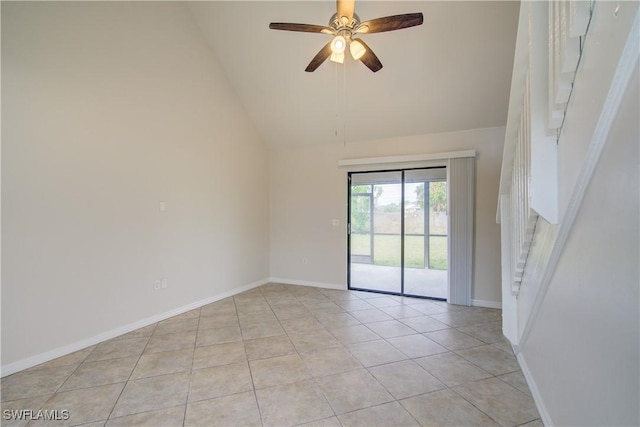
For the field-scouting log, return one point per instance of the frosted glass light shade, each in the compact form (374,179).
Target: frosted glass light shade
(357,49)
(337,57)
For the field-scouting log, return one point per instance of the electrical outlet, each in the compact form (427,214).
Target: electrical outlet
(156,285)
(305,260)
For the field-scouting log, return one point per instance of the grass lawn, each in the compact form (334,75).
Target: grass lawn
(387,250)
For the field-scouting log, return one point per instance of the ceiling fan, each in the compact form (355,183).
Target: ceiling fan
(343,26)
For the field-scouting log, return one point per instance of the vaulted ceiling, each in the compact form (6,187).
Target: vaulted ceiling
(451,73)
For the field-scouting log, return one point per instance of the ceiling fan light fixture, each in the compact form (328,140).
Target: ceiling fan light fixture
(338,45)
(337,57)
(357,49)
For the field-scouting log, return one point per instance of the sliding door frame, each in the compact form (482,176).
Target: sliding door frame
(402,229)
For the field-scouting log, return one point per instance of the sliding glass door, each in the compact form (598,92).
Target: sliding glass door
(425,236)
(398,232)
(375,224)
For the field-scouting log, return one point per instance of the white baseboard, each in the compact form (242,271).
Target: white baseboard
(486,304)
(31,361)
(542,410)
(308,283)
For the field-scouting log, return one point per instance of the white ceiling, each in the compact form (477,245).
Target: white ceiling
(451,73)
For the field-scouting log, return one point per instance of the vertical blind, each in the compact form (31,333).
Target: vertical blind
(461,218)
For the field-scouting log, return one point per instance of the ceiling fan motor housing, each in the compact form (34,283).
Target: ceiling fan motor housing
(343,25)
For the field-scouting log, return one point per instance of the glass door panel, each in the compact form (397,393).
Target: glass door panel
(375,239)
(425,248)
(438,225)
(362,224)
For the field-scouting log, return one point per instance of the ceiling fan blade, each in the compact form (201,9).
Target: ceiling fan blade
(390,23)
(369,58)
(320,57)
(303,28)
(345,8)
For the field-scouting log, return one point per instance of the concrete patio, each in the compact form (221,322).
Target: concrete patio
(417,281)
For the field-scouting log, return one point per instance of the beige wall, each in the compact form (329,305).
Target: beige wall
(107,109)
(309,190)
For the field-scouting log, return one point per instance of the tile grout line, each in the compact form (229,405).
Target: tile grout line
(253,384)
(193,355)
(132,371)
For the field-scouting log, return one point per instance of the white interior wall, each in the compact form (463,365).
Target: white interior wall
(583,352)
(580,348)
(309,190)
(108,109)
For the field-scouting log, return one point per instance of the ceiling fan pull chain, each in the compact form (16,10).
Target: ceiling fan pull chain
(344,105)
(337,102)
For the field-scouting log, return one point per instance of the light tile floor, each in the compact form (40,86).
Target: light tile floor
(282,355)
